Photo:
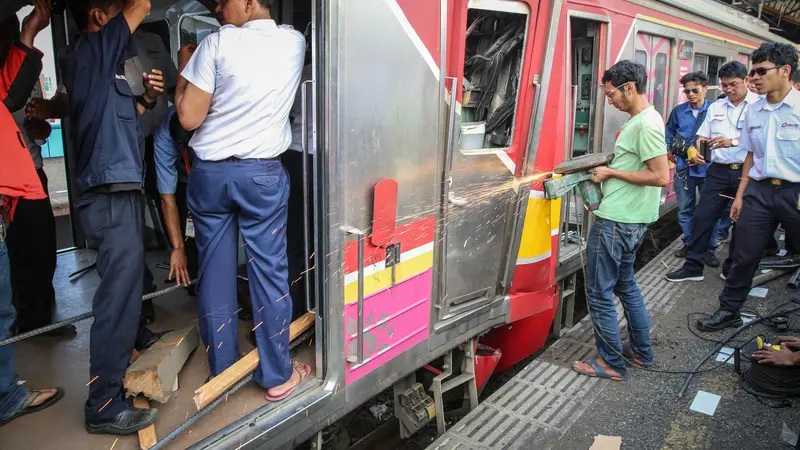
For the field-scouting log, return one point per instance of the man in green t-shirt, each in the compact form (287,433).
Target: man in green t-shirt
(631,191)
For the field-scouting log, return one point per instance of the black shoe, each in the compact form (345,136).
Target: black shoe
(148,314)
(146,338)
(770,252)
(711,260)
(683,275)
(245,308)
(720,320)
(129,421)
(681,253)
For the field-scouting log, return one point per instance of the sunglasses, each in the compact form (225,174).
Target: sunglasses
(761,71)
(691,91)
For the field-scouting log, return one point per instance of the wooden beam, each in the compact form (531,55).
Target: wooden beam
(240,369)
(147,436)
(154,372)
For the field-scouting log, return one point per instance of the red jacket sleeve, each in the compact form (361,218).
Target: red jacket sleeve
(19,75)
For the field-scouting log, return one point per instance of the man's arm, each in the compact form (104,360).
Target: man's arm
(177,261)
(22,66)
(650,146)
(135,12)
(197,82)
(656,174)
(671,128)
(55,108)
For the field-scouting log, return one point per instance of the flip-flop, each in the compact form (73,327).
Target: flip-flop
(599,371)
(632,357)
(304,370)
(26,408)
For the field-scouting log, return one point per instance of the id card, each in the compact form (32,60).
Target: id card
(189,228)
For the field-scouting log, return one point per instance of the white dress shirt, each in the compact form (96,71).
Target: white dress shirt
(724,119)
(252,73)
(773,135)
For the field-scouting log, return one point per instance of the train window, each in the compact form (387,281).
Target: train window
(492,71)
(193,28)
(660,83)
(641,57)
(700,63)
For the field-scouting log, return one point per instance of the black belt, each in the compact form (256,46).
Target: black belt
(737,166)
(777,182)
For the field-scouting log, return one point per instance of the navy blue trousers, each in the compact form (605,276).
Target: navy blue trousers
(720,181)
(248,196)
(764,206)
(113,224)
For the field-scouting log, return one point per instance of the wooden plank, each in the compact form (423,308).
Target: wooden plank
(154,372)
(147,436)
(240,369)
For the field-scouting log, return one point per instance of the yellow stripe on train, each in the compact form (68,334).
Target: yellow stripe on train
(542,219)
(382,279)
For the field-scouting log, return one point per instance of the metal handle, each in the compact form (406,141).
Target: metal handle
(457,201)
(448,163)
(306,218)
(571,130)
(359,356)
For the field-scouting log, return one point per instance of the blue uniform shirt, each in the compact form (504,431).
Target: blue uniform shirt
(170,165)
(773,135)
(682,121)
(107,134)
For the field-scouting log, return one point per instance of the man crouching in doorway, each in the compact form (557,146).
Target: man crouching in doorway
(631,186)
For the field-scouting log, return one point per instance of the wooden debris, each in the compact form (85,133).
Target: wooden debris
(147,436)
(154,373)
(240,369)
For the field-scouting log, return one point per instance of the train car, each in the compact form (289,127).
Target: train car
(433,125)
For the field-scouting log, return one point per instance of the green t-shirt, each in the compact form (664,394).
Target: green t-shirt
(641,139)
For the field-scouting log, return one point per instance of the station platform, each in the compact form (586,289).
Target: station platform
(549,406)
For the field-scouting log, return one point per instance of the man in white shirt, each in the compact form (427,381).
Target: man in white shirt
(722,129)
(769,191)
(236,92)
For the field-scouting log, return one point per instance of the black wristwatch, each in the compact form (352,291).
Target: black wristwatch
(147,105)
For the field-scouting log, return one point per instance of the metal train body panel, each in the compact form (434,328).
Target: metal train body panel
(478,242)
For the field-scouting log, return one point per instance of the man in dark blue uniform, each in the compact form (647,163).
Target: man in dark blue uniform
(769,191)
(109,144)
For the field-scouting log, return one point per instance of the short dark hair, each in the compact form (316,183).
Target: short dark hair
(80,10)
(796,76)
(733,69)
(266,3)
(626,72)
(695,77)
(774,52)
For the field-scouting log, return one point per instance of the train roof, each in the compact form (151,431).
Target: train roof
(728,16)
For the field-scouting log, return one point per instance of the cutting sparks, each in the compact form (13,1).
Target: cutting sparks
(115,443)
(104,406)
(220,345)
(259,324)
(92,380)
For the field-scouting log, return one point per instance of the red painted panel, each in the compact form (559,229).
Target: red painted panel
(424,17)
(410,236)
(521,339)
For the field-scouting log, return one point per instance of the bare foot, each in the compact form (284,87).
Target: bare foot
(299,373)
(587,369)
(44,395)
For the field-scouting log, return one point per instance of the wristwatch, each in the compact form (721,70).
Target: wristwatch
(735,142)
(147,105)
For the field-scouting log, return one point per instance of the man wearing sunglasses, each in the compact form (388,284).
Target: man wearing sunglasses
(722,128)
(681,131)
(769,191)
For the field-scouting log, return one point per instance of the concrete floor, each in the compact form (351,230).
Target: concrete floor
(44,362)
(547,405)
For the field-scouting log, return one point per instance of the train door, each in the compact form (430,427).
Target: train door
(487,55)
(586,61)
(654,52)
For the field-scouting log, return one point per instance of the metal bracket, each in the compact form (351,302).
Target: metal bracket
(467,376)
(358,358)
(393,259)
